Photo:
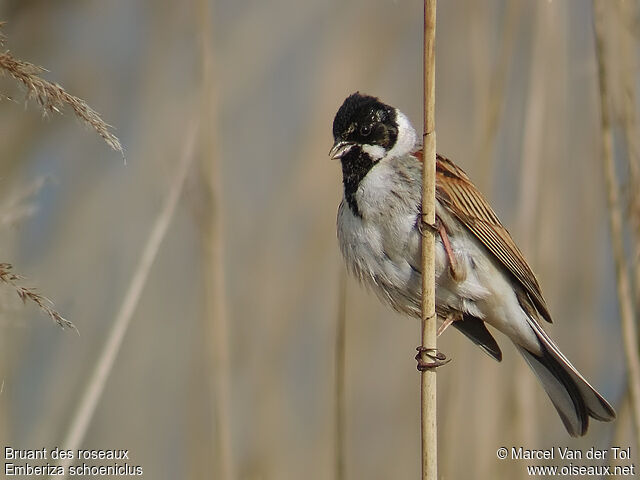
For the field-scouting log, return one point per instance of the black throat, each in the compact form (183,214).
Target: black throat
(355,166)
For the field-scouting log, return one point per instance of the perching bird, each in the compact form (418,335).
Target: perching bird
(481,275)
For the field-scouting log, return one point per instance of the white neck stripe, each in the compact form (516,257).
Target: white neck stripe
(376,152)
(406,137)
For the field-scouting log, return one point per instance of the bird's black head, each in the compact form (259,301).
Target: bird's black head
(366,131)
(364,121)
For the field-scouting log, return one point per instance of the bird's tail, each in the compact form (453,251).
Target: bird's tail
(574,398)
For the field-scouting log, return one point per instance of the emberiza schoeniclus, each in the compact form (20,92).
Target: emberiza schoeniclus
(481,275)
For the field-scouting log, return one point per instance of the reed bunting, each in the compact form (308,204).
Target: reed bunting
(482,277)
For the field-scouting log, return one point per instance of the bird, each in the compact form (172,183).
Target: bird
(482,278)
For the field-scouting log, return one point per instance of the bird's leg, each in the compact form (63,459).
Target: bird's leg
(457,273)
(437,358)
(451,317)
(434,227)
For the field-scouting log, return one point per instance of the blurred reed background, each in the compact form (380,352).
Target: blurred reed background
(227,369)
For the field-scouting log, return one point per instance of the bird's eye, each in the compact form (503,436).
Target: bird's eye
(365,130)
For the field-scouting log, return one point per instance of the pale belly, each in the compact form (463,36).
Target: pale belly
(391,268)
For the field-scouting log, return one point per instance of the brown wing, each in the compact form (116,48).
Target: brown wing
(454,189)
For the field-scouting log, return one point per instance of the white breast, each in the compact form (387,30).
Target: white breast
(382,248)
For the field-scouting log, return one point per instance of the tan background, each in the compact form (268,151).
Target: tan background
(516,83)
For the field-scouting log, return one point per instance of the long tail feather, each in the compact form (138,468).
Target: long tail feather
(574,398)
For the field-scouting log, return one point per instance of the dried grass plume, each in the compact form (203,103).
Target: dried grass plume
(31,294)
(51,96)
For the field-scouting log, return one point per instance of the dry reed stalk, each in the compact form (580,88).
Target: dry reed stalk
(428,337)
(96,383)
(496,95)
(340,361)
(490,82)
(621,431)
(627,318)
(217,321)
(301,195)
(625,10)
(528,203)
(491,64)
(52,97)
(31,294)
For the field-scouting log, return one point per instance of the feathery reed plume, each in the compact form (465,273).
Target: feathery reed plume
(98,379)
(51,96)
(627,318)
(31,294)
(428,377)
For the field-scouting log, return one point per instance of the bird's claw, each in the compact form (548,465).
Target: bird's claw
(432,227)
(448,321)
(437,358)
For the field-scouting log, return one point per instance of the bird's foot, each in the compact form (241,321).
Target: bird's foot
(434,227)
(451,317)
(435,356)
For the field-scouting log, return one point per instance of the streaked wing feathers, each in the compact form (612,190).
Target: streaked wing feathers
(454,189)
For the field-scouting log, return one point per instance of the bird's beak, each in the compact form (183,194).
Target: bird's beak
(340,149)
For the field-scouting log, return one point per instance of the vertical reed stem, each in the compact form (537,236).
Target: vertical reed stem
(217,311)
(528,199)
(627,318)
(631,132)
(428,377)
(96,382)
(341,328)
